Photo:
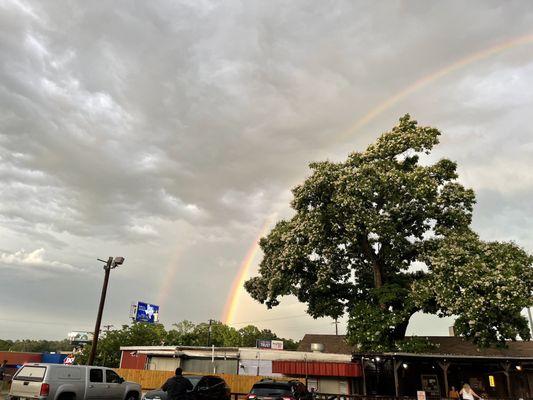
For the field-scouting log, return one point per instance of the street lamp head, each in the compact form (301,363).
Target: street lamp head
(118,261)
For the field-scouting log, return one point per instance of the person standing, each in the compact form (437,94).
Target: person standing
(177,386)
(3,368)
(454,394)
(467,393)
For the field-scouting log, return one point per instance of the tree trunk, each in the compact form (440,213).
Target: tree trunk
(400,330)
(376,266)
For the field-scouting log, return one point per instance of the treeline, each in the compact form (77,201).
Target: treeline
(184,333)
(35,346)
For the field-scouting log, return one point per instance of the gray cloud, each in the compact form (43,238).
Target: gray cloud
(168,131)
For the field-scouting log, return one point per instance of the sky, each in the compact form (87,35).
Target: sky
(171,133)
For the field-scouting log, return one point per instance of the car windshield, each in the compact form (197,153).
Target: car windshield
(270,390)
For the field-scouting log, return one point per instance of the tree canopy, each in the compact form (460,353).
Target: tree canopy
(365,240)
(184,333)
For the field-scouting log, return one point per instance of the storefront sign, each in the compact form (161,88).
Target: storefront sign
(269,344)
(492,381)
(69,360)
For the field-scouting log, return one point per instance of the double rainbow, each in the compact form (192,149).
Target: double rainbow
(230,308)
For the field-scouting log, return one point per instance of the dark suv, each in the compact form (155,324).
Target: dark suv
(206,387)
(279,390)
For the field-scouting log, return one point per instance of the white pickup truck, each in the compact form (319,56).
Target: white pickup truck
(71,382)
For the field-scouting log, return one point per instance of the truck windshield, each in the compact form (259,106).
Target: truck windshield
(30,373)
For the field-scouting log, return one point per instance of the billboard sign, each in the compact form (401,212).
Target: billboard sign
(269,344)
(276,344)
(147,313)
(80,337)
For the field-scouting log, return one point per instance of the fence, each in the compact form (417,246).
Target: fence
(154,379)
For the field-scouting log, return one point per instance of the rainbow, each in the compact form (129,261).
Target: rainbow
(233,297)
(440,73)
(168,280)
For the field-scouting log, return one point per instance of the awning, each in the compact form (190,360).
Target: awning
(302,368)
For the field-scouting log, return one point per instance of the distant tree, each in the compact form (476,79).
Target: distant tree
(36,346)
(249,336)
(183,334)
(221,335)
(137,334)
(358,229)
(5,345)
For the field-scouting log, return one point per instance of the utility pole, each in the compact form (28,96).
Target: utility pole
(209,332)
(336,323)
(109,265)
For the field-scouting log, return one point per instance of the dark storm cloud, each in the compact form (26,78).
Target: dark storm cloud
(163,128)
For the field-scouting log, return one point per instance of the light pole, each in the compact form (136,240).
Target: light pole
(109,265)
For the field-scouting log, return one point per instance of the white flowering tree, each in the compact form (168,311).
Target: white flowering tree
(358,228)
(485,284)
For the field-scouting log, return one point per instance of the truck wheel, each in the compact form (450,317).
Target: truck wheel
(66,396)
(132,396)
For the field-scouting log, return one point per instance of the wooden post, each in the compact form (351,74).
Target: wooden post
(444,366)
(506,367)
(395,366)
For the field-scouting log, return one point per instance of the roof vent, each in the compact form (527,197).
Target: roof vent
(317,347)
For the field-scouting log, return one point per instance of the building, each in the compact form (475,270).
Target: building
(329,373)
(328,364)
(492,372)
(212,360)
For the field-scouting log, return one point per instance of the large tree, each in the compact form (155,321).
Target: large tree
(360,232)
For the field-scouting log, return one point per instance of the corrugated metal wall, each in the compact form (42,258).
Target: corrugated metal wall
(16,358)
(133,360)
(164,363)
(317,368)
(207,367)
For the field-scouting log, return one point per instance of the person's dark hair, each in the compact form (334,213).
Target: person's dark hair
(179,371)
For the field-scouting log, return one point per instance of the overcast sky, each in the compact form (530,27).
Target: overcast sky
(168,132)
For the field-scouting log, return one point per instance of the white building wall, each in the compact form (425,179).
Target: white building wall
(256,367)
(163,363)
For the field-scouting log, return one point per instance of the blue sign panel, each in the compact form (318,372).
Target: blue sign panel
(147,313)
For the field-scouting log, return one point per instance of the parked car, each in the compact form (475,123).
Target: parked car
(279,390)
(205,387)
(71,382)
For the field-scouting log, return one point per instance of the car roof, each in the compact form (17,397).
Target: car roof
(273,383)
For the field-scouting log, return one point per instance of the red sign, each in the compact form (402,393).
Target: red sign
(69,360)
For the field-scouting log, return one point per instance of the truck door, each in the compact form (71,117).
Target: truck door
(96,387)
(114,385)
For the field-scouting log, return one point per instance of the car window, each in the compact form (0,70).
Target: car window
(111,376)
(213,381)
(270,390)
(202,383)
(96,375)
